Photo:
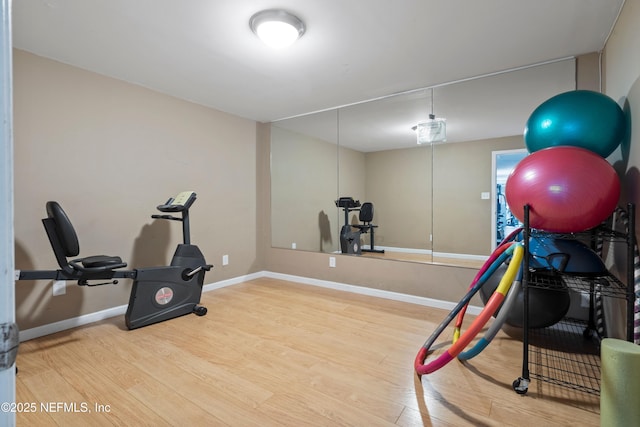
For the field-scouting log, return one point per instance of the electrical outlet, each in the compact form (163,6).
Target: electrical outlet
(293,245)
(332,261)
(225,259)
(59,288)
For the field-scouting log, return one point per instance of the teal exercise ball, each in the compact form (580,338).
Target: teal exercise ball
(579,118)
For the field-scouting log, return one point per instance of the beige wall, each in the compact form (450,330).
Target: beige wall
(110,152)
(352,167)
(461,219)
(588,72)
(308,174)
(622,83)
(398,183)
(305,178)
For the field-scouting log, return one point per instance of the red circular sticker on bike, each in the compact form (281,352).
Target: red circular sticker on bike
(164,295)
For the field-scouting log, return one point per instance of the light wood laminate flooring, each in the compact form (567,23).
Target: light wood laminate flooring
(276,353)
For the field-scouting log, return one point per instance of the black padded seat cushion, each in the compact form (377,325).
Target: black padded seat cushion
(100,261)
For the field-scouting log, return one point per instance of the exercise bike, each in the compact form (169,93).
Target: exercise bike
(157,293)
(349,238)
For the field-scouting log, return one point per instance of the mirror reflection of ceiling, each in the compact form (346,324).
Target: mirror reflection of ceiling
(489,107)
(205,52)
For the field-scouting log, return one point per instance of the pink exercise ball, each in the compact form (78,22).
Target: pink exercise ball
(568,189)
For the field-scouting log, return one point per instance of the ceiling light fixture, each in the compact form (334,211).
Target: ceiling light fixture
(277,28)
(433,130)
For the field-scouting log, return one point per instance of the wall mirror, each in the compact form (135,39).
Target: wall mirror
(304,183)
(432,202)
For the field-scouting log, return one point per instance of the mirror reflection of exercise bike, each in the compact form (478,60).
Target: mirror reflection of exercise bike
(157,293)
(350,233)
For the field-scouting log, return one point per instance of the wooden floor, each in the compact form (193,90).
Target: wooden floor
(275,353)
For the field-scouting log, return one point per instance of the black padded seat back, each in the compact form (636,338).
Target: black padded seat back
(65,232)
(64,242)
(366,212)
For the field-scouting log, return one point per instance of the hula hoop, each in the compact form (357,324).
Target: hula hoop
(505,243)
(489,267)
(506,251)
(489,262)
(483,342)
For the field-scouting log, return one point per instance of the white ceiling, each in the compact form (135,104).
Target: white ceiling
(488,107)
(353,50)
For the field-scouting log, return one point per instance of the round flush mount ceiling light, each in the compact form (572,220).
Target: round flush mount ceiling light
(277,28)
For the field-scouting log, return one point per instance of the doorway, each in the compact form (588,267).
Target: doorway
(502,220)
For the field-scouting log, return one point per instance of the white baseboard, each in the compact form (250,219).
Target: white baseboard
(400,250)
(52,328)
(74,322)
(379,293)
(461,256)
(232,281)
(451,255)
